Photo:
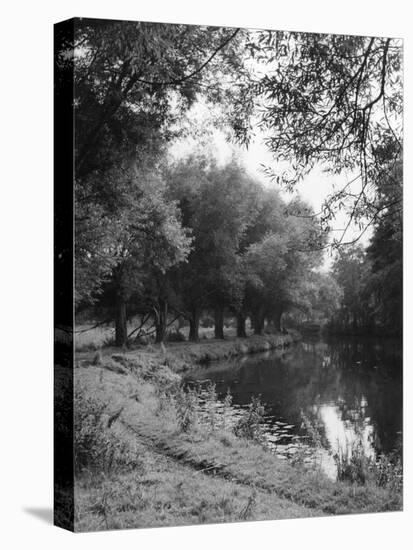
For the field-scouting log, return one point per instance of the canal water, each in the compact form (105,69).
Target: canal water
(320,396)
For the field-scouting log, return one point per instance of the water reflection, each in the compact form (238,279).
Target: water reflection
(348,389)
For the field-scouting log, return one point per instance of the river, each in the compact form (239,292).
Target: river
(340,389)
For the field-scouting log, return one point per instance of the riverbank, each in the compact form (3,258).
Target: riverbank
(145,457)
(184,355)
(216,350)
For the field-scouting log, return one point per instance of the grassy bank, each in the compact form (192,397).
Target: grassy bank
(214,350)
(184,355)
(145,457)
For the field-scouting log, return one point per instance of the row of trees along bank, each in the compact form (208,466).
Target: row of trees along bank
(194,236)
(154,236)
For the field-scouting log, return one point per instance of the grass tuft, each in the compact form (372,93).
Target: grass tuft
(97,447)
(249,426)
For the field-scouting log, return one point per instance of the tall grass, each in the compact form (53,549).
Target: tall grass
(355,466)
(199,408)
(186,406)
(97,445)
(250,424)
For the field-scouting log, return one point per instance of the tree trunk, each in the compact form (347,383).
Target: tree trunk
(194,327)
(258,325)
(121,330)
(258,322)
(241,332)
(277,320)
(219,323)
(160,322)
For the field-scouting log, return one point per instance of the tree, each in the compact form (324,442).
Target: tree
(227,209)
(351,270)
(146,239)
(325,300)
(217,205)
(372,279)
(279,268)
(266,262)
(385,256)
(150,71)
(330,100)
(268,218)
(132,82)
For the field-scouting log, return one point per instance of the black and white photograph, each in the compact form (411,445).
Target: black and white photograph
(238,224)
(205,286)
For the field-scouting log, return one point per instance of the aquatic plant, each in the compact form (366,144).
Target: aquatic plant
(249,425)
(354,465)
(187,405)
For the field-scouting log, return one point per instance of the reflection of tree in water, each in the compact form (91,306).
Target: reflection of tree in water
(371,380)
(360,380)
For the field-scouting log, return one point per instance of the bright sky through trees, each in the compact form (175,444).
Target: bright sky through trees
(314,188)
